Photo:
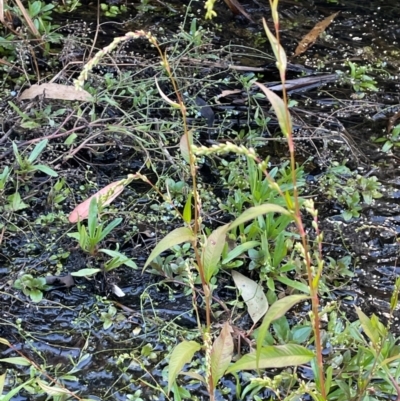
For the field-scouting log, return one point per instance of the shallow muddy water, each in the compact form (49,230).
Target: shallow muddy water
(64,333)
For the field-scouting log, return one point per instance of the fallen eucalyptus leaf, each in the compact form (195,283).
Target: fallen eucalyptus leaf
(56,91)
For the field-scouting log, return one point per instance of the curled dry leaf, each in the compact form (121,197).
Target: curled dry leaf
(56,91)
(312,36)
(107,195)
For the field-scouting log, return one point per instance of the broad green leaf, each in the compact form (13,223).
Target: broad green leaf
(284,118)
(15,202)
(71,139)
(255,211)
(85,272)
(35,295)
(182,354)
(252,294)
(238,250)
(274,356)
(221,353)
(175,237)
(37,150)
(16,360)
(277,309)
(368,327)
(212,250)
(45,169)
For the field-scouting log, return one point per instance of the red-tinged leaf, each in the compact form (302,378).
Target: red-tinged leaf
(277,309)
(313,35)
(277,48)
(175,237)
(212,250)
(283,116)
(182,354)
(221,353)
(252,294)
(107,195)
(274,356)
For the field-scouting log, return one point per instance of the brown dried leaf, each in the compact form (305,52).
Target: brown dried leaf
(252,294)
(56,91)
(312,36)
(108,194)
(184,145)
(237,8)
(221,353)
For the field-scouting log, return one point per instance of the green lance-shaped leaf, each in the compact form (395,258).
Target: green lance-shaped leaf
(212,250)
(368,327)
(284,119)
(253,212)
(16,360)
(52,390)
(277,48)
(182,353)
(187,210)
(215,243)
(274,356)
(221,353)
(47,170)
(2,381)
(175,237)
(38,149)
(277,309)
(16,390)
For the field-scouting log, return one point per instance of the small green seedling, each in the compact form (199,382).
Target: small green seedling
(110,317)
(90,238)
(27,165)
(31,286)
(4,176)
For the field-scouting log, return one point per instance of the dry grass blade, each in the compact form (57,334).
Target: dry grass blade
(28,19)
(312,36)
(2,11)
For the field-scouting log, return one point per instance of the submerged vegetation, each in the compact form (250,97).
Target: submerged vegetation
(176,225)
